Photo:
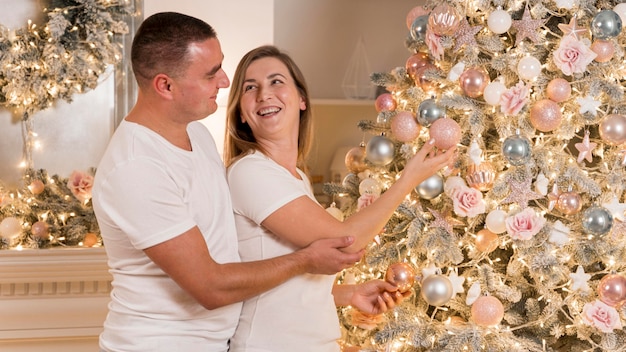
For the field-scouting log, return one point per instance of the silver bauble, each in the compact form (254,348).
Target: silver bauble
(597,220)
(429,111)
(430,187)
(516,149)
(606,24)
(437,290)
(380,150)
(418,27)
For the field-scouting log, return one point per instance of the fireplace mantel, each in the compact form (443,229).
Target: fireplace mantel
(53,298)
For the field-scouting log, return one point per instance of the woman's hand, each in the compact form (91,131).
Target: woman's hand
(427,162)
(376,297)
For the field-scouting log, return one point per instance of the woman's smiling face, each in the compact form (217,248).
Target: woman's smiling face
(270,102)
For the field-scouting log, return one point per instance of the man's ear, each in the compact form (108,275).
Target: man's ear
(162,84)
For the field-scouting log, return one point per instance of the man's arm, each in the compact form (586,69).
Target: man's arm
(187,261)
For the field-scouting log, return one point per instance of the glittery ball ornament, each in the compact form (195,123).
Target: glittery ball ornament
(355,159)
(481,176)
(516,149)
(379,150)
(444,20)
(10,228)
(402,275)
(40,229)
(569,203)
(446,132)
(437,290)
(612,290)
(370,186)
(558,90)
(612,129)
(404,127)
(486,241)
(597,220)
(545,115)
(473,82)
(385,102)
(487,311)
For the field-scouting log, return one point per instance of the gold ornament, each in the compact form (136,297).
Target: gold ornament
(481,176)
(355,159)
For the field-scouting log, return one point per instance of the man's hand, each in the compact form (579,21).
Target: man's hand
(326,257)
(376,297)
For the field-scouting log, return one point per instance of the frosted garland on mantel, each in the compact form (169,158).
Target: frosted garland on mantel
(38,66)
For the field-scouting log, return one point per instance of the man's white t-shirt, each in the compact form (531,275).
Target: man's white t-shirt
(147,191)
(299,315)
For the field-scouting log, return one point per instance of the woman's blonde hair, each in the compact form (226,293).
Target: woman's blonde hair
(239,139)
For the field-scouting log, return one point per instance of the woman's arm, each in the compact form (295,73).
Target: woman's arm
(302,220)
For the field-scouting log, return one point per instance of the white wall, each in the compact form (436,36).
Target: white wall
(321,36)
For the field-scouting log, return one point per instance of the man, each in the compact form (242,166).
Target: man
(164,209)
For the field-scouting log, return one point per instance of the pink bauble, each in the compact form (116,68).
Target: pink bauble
(414,13)
(40,229)
(569,203)
(414,62)
(446,132)
(10,228)
(559,90)
(36,187)
(604,50)
(545,115)
(385,102)
(486,241)
(613,129)
(444,20)
(473,82)
(487,311)
(612,290)
(421,80)
(404,126)
(401,275)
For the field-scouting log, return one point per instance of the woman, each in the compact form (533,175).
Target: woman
(269,130)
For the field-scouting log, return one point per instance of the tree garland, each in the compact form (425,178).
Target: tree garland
(66,56)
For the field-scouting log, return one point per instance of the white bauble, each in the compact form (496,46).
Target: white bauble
(499,21)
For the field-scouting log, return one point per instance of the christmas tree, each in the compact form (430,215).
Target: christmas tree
(519,244)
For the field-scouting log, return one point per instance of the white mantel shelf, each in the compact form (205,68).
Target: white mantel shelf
(53,299)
